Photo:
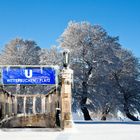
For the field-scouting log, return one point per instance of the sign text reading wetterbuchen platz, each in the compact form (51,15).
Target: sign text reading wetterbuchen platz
(28,75)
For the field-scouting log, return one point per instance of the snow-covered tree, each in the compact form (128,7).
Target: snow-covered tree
(96,57)
(126,79)
(51,56)
(20,52)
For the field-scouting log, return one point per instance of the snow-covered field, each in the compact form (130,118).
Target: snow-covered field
(80,131)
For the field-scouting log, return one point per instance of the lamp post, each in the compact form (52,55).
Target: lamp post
(66,92)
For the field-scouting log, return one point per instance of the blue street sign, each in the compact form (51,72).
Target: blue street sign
(28,75)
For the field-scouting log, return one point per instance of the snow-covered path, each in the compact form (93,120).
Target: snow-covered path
(79,132)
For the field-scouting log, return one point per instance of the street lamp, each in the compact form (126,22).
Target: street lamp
(66,57)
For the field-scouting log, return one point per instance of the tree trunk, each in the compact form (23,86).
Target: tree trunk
(0,111)
(105,113)
(83,102)
(86,74)
(104,117)
(131,117)
(84,109)
(128,114)
(126,108)
(86,114)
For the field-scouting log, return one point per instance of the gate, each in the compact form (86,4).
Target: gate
(47,108)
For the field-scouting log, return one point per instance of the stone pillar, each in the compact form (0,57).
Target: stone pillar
(6,105)
(34,105)
(66,92)
(3,105)
(9,105)
(48,103)
(15,105)
(24,104)
(43,104)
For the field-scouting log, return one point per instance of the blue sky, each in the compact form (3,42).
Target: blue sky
(45,20)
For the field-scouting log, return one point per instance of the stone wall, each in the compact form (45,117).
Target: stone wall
(32,121)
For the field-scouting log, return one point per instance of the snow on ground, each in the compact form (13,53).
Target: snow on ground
(80,131)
